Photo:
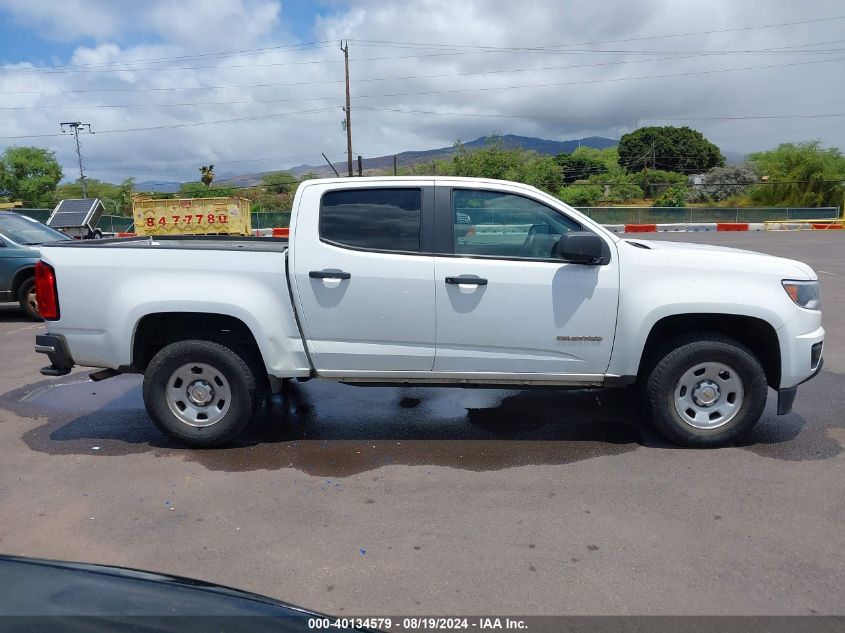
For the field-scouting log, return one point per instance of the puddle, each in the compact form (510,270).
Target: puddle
(327,429)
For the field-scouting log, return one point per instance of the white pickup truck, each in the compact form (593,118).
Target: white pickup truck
(435,281)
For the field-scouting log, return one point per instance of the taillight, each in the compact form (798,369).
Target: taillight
(46,293)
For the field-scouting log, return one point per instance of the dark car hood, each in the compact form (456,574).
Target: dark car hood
(97,597)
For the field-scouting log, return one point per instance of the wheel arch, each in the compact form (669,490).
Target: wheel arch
(758,335)
(20,276)
(156,330)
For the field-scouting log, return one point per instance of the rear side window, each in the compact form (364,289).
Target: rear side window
(377,219)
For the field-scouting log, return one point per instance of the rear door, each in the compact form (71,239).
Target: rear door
(364,276)
(507,306)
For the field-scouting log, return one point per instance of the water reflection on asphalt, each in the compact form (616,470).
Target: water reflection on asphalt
(328,429)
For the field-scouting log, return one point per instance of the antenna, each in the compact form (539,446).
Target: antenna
(74,127)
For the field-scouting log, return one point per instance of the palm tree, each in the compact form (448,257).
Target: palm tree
(207,174)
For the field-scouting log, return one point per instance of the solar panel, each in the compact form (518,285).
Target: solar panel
(75,213)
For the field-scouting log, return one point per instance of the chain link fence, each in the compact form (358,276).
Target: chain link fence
(675,215)
(603,215)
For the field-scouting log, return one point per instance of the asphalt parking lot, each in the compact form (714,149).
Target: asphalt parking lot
(442,501)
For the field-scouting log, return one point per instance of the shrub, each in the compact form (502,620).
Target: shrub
(673,196)
(581,195)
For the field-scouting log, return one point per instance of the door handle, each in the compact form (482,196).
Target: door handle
(470,281)
(329,274)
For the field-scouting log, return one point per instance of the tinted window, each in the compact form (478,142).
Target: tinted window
(505,225)
(381,219)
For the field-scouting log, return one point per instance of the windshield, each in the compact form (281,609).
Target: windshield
(24,230)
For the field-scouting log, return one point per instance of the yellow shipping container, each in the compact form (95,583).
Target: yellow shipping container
(192,216)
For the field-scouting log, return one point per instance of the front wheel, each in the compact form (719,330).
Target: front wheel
(28,300)
(201,393)
(707,391)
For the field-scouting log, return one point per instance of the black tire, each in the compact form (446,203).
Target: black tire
(659,389)
(236,369)
(97,235)
(24,299)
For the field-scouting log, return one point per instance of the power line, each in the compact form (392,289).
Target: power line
(597,118)
(452,91)
(596,81)
(370,79)
(364,79)
(663,36)
(49,71)
(181,125)
(326,43)
(399,78)
(295,48)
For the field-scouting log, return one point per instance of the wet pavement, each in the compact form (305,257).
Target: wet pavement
(392,500)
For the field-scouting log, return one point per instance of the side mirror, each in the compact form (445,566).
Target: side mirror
(581,247)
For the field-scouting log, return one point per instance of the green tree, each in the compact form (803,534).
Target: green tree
(207,174)
(654,181)
(496,161)
(198,190)
(542,172)
(580,165)
(581,195)
(117,199)
(491,161)
(672,196)
(29,174)
(679,149)
(618,187)
(278,182)
(799,175)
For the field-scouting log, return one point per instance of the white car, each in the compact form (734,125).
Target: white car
(384,281)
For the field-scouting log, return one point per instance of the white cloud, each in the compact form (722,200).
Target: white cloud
(214,24)
(171,30)
(69,19)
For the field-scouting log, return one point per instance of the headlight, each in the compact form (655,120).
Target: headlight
(803,293)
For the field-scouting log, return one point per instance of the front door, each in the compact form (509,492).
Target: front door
(506,304)
(365,289)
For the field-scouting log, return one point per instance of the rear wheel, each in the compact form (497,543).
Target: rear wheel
(27,299)
(706,390)
(201,393)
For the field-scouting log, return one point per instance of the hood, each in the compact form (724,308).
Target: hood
(724,257)
(34,587)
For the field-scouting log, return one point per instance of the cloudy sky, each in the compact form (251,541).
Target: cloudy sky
(257,85)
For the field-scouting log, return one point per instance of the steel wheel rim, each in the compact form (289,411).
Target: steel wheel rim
(32,300)
(709,395)
(198,394)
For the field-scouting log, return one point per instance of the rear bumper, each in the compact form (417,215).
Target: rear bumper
(56,349)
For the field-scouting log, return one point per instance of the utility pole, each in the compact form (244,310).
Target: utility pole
(345,48)
(645,170)
(360,166)
(395,169)
(74,127)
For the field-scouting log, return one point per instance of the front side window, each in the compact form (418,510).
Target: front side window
(377,219)
(501,224)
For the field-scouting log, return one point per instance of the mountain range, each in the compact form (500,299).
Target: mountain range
(404,159)
(381,164)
